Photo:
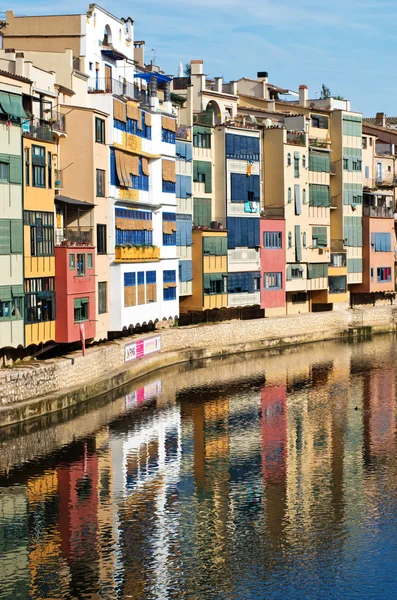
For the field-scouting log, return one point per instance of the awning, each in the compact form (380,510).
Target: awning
(148,76)
(11,105)
(5,293)
(74,202)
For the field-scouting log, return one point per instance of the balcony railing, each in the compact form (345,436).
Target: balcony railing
(385,180)
(58,121)
(38,129)
(296,139)
(74,236)
(108,85)
(338,259)
(204,118)
(337,246)
(136,253)
(378,211)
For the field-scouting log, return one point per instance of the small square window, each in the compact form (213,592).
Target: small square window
(72,262)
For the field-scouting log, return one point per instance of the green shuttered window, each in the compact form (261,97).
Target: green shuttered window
(317,270)
(352,193)
(215,246)
(202,173)
(352,125)
(11,236)
(354,265)
(319,161)
(202,212)
(319,237)
(353,232)
(319,195)
(298,243)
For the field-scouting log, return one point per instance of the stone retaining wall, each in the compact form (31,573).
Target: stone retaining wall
(105,363)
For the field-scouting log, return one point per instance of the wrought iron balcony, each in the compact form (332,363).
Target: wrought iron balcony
(108,85)
(74,236)
(385,212)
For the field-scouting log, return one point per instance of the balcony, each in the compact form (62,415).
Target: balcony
(337,246)
(38,129)
(58,122)
(387,180)
(136,253)
(296,138)
(385,212)
(184,132)
(204,118)
(338,259)
(108,85)
(74,236)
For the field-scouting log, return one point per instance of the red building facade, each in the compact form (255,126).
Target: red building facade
(273,264)
(75,290)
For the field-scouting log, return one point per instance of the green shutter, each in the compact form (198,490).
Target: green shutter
(5,102)
(5,237)
(320,234)
(16,106)
(216,276)
(77,303)
(17,290)
(15,169)
(319,195)
(206,281)
(298,244)
(16,237)
(200,129)
(84,300)
(317,270)
(5,293)
(289,275)
(202,212)
(319,161)
(201,167)
(224,246)
(4,158)
(354,265)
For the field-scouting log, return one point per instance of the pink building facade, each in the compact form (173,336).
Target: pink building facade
(273,265)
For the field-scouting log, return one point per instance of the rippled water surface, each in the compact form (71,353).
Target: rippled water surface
(263,476)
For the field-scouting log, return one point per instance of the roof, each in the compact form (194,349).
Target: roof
(17,77)
(372,120)
(74,202)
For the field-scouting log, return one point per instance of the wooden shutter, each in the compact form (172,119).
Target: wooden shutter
(119,110)
(148,119)
(16,169)
(167,123)
(140,126)
(145,166)
(5,237)
(16,237)
(132,111)
(169,171)
(121,169)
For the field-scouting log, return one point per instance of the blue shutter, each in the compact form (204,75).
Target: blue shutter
(113,174)
(367,172)
(189,152)
(373,241)
(178,187)
(297,194)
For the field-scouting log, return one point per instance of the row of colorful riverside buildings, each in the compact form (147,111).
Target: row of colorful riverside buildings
(129,196)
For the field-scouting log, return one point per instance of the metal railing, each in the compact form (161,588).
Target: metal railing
(378,211)
(108,85)
(38,129)
(58,121)
(337,246)
(74,236)
(296,139)
(204,118)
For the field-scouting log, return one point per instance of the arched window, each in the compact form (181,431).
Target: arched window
(304,161)
(289,160)
(289,195)
(304,196)
(289,239)
(107,36)
(304,239)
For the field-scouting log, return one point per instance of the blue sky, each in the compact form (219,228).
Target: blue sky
(347,44)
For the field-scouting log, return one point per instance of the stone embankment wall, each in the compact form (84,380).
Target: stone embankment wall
(64,381)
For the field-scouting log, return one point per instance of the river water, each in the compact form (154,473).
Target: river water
(261,476)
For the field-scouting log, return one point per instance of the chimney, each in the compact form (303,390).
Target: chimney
(196,67)
(19,64)
(263,76)
(233,88)
(139,53)
(380,119)
(219,84)
(263,79)
(303,95)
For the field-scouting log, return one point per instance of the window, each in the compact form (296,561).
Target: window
(102,297)
(168,136)
(243,188)
(272,239)
(296,166)
(364,143)
(383,274)
(202,216)
(39,300)
(151,287)
(201,139)
(81,265)
(41,232)
(319,161)
(289,195)
(319,121)
(242,147)
(169,187)
(370,141)
(299,298)
(304,196)
(289,160)
(72,262)
(169,293)
(100,183)
(141,181)
(91,66)
(304,239)
(129,289)
(346,164)
(169,229)
(101,239)
(169,285)
(366,172)
(89,261)
(389,169)
(99,130)
(11,302)
(202,173)
(289,239)
(356,164)
(372,273)
(81,309)
(304,161)
(4,170)
(38,161)
(319,195)
(319,237)
(297,273)
(27,166)
(381,242)
(272,281)
(337,284)
(49,167)
(338,260)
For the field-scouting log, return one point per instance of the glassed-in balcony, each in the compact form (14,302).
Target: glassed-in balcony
(74,236)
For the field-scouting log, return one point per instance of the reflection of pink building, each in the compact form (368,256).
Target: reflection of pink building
(382,411)
(273,264)
(274,432)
